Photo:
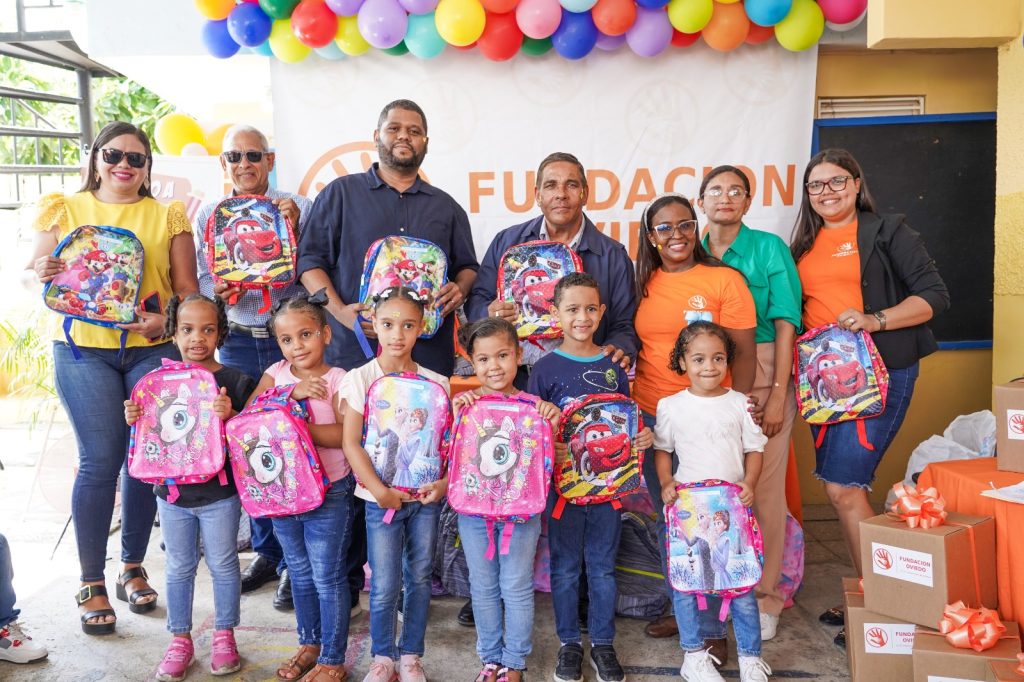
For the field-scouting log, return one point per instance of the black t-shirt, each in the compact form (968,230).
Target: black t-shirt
(239,386)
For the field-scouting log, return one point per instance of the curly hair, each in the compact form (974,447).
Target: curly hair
(175,305)
(486,328)
(313,305)
(676,361)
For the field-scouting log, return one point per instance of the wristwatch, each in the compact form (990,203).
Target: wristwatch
(880,316)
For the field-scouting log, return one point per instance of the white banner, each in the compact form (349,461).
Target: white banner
(639,126)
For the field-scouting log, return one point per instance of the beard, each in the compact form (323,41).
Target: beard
(389,159)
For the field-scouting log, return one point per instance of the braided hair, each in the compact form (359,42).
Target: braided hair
(175,305)
(314,305)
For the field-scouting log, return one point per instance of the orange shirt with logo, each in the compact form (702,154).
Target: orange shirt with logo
(830,276)
(674,299)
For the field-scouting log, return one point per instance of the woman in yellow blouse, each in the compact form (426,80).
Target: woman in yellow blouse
(116,193)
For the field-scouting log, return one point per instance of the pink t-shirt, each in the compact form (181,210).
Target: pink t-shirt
(333,459)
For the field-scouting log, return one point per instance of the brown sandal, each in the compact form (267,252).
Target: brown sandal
(301,663)
(326,673)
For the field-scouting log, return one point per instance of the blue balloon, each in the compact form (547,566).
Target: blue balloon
(263,50)
(575,36)
(249,25)
(422,37)
(652,4)
(217,40)
(767,12)
(330,51)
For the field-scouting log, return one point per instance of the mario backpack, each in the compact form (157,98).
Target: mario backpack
(500,463)
(601,464)
(713,542)
(101,282)
(839,376)
(527,277)
(249,244)
(276,466)
(179,439)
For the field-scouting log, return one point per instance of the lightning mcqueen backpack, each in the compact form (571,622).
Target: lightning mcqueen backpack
(601,464)
(714,543)
(500,463)
(277,469)
(527,277)
(249,244)
(179,439)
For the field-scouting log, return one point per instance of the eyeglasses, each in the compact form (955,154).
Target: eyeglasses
(253,156)
(732,192)
(666,230)
(114,156)
(836,184)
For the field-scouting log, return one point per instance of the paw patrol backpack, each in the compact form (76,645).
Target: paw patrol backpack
(276,466)
(527,277)
(249,244)
(179,439)
(714,543)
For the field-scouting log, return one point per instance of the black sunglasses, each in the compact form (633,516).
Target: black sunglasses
(114,156)
(236,157)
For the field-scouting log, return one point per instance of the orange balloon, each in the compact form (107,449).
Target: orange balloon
(614,17)
(759,34)
(728,27)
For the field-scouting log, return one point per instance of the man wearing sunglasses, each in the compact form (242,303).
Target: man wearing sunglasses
(250,348)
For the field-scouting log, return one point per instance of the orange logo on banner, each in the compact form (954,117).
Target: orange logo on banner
(351,157)
(876,637)
(883,559)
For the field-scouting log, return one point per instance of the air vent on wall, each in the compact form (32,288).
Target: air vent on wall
(860,107)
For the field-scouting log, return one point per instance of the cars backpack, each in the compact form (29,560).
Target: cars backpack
(527,276)
(839,376)
(276,466)
(714,543)
(601,464)
(249,244)
(101,282)
(179,439)
(500,463)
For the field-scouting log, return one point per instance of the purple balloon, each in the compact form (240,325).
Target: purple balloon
(383,23)
(609,43)
(650,33)
(345,8)
(418,6)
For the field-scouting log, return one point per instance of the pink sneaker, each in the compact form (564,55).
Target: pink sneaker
(224,658)
(178,657)
(410,669)
(381,670)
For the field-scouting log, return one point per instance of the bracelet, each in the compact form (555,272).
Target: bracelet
(880,316)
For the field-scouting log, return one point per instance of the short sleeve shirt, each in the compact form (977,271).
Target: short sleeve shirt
(830,275)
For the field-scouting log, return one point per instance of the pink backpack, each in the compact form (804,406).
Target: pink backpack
(178,439)
(500,463)
(714,543)
(277,469)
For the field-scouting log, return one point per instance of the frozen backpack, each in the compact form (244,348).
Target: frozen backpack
(839,376)
(714,543)
(178,439)
(276,466)
(102,280)
(527,276)
(249,244)
(500,463)
(601,464)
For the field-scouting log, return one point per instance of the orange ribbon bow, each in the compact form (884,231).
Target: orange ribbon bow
(967,628)
(925,508)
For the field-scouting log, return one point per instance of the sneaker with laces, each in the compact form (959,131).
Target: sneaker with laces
(769,626)
(17,647)
(410,669)
(178,657)
(381,670)
(224,658)
(569,667)
(753,669)
(606,663)
(699,666)
(489,673)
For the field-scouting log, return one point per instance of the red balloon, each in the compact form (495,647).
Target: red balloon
(501,38)
(314,24)
(759,34)
(614,17)
(680,39)
(467,48)
(498,6)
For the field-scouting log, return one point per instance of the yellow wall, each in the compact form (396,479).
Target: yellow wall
(917,24)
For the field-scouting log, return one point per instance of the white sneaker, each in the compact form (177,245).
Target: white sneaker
(698,666)
(753,669)
(381,670)
(769,626)
(17,647)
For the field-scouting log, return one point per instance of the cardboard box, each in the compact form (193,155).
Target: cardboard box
(1001,671)
(936,660)
(878,648)
(1009,409)
(912,574)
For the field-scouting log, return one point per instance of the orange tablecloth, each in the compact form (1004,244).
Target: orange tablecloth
(961,483)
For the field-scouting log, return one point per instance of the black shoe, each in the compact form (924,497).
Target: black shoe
(840,640)
(466,615)
(570,664)
(606,663)
(283,596)
(258,573)
(833,616)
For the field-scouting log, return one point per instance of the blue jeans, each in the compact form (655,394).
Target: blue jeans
(216,524)
(504,581)
(746,621)
(93,391)
(401,555)
(589,532)
(8,614)
(315,544)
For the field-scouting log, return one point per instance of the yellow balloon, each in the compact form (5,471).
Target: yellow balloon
(215,138)
(285,45)
(349,40)
(802,27)
(690,16)
(460,22)
(174,131)
(215,9)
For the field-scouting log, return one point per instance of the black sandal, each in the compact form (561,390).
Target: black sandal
(133,598)
(86,593)
(833,616)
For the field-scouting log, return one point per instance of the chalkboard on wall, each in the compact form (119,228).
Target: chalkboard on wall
(940,172)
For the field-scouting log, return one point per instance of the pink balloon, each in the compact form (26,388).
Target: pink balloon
(538,18)
(842,11)
(382,23)
(651,33)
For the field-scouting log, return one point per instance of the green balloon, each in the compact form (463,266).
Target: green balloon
(397,50)
(535,46)
(278,9)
